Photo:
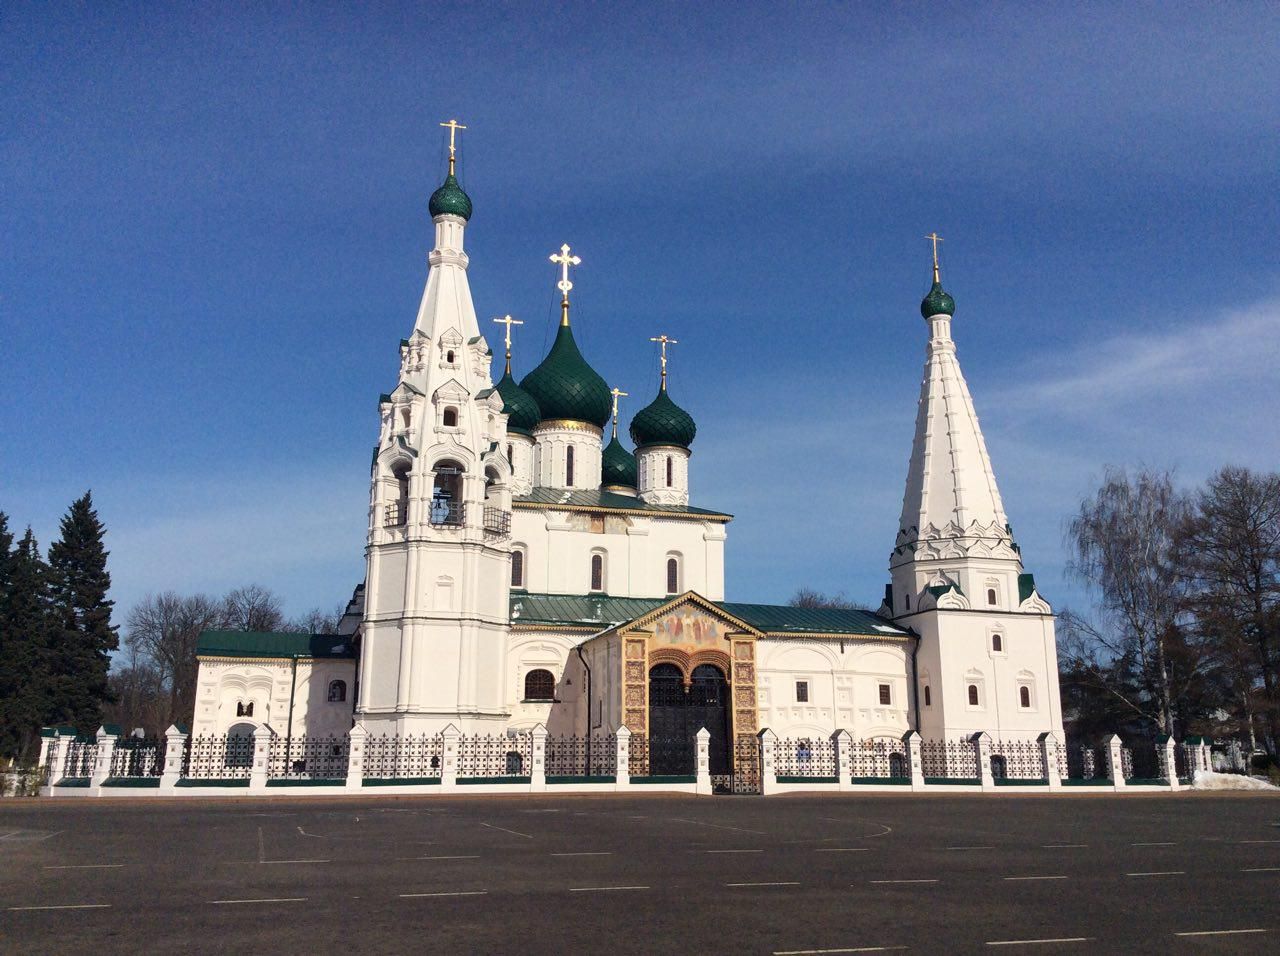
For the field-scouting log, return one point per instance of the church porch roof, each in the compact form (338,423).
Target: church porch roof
(272,644)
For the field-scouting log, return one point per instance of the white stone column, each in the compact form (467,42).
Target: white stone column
(259,772)
(703,751)
(622,772)
(357,738)
(47,736)
(58,757)
(1206,755)
(1115,762)
(912,739)
(1169,760)
(1049,760)
(107,739)
(449,763)
(842,740)
(175,749)
(768,761)
(538,772)
(982,753)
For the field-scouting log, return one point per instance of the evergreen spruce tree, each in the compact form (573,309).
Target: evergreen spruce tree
(24,633)
(83,637)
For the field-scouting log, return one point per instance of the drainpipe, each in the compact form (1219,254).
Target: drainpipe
(586,667)
(915,683)
(288,736)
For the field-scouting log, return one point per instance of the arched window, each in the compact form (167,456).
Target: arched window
(568,467)
(337,691)
(446,494)
(670,472)
(597,572)
(973,695)
(906,600)
(898,765)
(673,576)
(539,685)
(991,597)
(406,416)
(448,356)
(997,643)
(999,767)
(928,701)
(510,457)
(450,417)
(398,510)
(1024,696)
(517,569)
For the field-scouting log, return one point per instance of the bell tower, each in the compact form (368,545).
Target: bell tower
(435,632)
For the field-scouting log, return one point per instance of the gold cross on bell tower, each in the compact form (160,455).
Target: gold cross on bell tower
(508,322)
(664,341)
(452,126)
(616,393)
(935,239)
(565,260)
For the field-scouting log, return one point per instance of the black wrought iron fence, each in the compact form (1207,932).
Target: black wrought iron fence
(805,757)
(1140,761)
(882,759)
(306,757)
(575,755)
(955,759)
(1017,760)
(1085,761)
(81,758)
(495,755)
(746,765)
(218,757)
(412,757)
(1182,761)
(138,757)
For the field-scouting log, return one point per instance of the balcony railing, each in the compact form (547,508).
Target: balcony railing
(497,522)
(447,514)
(396,514)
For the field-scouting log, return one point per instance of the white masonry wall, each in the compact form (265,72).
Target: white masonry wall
(222,683)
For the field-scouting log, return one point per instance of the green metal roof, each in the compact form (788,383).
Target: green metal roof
(937,302)
(565,386)
(617,465)
(450,199)
(587,500)
(522,410)
(601,611)
(663,422)
(272,644)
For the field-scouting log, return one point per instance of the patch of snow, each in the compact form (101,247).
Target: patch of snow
(1229,781)
(887,630)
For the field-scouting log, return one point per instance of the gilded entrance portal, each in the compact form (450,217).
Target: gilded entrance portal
(707,657)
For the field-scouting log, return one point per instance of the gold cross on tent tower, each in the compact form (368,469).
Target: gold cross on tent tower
(564,260)
(935,239)
(664,341)
(508,322)
(452,126)
(616,393)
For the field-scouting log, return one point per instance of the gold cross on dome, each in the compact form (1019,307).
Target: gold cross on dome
(452,126)
(565,260)
(616,393)
(664,341)
(935,239)
(508,322)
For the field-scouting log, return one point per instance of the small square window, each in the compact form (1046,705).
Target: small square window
(886,696)
(802,692)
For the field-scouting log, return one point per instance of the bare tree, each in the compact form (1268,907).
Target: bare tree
(808,597)
(317,621)
(162,630)
(1125,540)
(252,608)
(1233,562)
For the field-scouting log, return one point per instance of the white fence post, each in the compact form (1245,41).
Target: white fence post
(449,764)
(912,739)
(1168,754)
(357,738)
(108,735)
(1206,755)
(47,736)
(622,766)
(768,761)
(259,772)
(842,740)
(703,785)
(175,749)
(1049,760)
(538,772)
(1115,762)
(58,756)
(982,755)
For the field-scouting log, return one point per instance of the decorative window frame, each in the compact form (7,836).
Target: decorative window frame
(975,679)
(1028,681)
(603,555)
(994,632)
(808,688)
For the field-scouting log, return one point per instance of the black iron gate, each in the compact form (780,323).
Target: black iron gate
(677,712)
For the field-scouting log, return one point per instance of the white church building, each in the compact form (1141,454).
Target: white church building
(522,570)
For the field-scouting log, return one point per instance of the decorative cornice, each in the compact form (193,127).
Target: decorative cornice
(568,425)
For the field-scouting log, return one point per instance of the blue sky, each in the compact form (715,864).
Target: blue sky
(215,231)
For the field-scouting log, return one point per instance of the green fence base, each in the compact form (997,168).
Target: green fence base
(464,781)
(569,778)
(953,781)
(891,781)
(131,782)
(73,782)
(808,779)
(398,781)
(1021,782)
(309,782)
(218,782)
(1091,782)
(682,778)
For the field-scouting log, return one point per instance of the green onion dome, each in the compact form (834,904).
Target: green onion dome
(449,199)
(618,466)
(522,410)
(663,422)
(565,386)
(937,302)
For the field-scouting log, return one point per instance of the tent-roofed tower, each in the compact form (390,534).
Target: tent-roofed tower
(523,416)
(434,633)
(663,432)
(988,658)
